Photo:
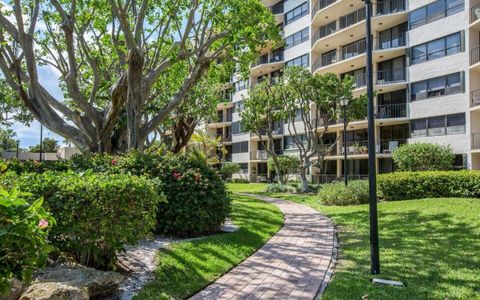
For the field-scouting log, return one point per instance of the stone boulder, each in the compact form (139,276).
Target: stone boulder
(16,290)
(72,282)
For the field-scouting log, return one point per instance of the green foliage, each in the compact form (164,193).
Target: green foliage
(229,168)
(280,188)
(287,164)
(423,157)
(338,194)
(48,146)
(23,232)
(429,184)
(7,140)
(29,166)
(97,214)
(240,180)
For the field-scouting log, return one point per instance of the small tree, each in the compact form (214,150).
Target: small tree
(311,102)
(288,164)
(228,169)
(423,157)
(48,146)
(7,140)
(263,115)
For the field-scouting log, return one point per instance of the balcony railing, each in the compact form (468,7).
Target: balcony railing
(388,146)
(346,52)
(276,56)
(359,80)
(391,76)
(476,140)
(277,8)
(352,18)
(390,7)
(474,55)
(355,148)
(324,31)
(475,98)
(391,111)
(226,158)
(475,13)
(263,154)
(225,138)
(321,4)
(382,43)
(276,131)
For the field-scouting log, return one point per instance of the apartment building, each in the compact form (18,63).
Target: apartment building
(426,63)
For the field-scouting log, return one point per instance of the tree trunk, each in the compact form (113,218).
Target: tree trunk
(303,178)
(134,98)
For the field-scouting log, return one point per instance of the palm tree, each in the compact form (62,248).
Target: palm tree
(207,145)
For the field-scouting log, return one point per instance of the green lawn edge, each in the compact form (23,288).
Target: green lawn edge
(186,268)
(431,245)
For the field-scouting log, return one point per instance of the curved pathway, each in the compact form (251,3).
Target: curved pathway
(296,263)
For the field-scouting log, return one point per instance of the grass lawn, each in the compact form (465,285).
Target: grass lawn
(431,245)
(185,268)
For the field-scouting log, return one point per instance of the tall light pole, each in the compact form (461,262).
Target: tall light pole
(18,146)
(41,141)
(372,184)
(344,104)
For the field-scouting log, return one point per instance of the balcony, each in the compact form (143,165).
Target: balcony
(389,7)
(263,154)
(336,56)
(224,138)
(474,56)
(268,62)
(385,43)
(388,146)
(391,76)
(355,148)
(391,111)
(476,141)
(226,158)
(220,121)
(276,131)
(277,9)
(321,4)
(475,98)
(340,25)
(475,13)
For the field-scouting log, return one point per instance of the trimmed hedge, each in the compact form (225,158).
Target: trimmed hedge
(338,194)
(429,184)
(96,214)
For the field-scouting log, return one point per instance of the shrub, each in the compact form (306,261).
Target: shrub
(229,168)
(287,164)
(280,188)
(198,202)
(240,180)
(429,184)
(423,157)
(338,194)
(23,231)
(97,214)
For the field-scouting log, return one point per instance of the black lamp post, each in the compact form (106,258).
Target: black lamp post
(41,142)
(374,248)
(18,147)
(344,104)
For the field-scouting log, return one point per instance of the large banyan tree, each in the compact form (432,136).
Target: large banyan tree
(124,65)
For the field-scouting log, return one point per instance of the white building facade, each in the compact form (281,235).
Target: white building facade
(426,63)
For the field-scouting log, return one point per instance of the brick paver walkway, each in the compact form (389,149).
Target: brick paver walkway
(296,263)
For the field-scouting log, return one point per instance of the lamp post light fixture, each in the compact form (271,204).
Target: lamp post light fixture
(372,184)
(344,103)
(18,147)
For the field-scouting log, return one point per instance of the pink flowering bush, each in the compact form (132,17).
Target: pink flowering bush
(24,228)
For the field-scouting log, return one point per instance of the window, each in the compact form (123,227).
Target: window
(241,85)
(296,38)
(440,125)
(418,128)
(296,13)
(243,168)
(434,11)
(456,124)
(439,86)
(290,141)
(437,48)
(301,61)
(237,128)
(240,147)
(238,106)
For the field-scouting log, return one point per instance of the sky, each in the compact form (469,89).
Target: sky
(30,135)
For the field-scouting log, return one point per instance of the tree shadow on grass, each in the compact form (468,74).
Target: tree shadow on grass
(435,255)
